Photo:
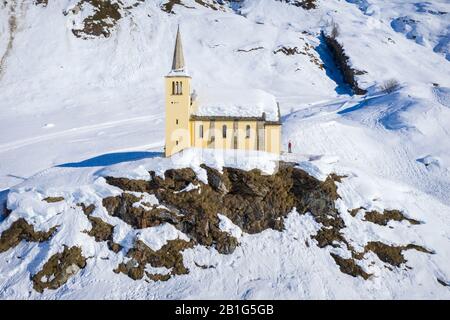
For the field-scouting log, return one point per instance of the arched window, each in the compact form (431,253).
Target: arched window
(181,88)
(224,131)
(177,88)
(200,131)
(173,87)
(247,132)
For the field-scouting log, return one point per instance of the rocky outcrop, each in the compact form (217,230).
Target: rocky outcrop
(383,218)
(139,217)
(100,231)
(21,230)
(390,254)
(350,267)
(251,200)
(254,202)
(305,4)
(169,5)
(42,3)
(169,257)
(289,51)
(105,16)
(58,269)
(53,199)
(386,216)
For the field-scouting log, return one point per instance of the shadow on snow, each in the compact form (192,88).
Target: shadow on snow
(332,70)
(112,158)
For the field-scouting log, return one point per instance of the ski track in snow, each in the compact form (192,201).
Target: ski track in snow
(74,131)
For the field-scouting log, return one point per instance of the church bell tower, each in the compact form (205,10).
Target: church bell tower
(178,102)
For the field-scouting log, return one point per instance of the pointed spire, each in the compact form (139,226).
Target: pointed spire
(178,57)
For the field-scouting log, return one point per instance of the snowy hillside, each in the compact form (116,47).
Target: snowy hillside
(81,101)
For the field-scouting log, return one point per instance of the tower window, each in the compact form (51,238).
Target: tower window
(247,132)
(180,91)
(176,142)
(224,131)
(176,121)
(200,131)
(173,88)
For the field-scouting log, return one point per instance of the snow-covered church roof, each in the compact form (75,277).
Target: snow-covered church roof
(240,103)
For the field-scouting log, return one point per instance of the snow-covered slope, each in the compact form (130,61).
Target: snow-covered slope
(81,86)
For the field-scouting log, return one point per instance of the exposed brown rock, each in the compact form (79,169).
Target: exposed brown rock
(329,237)
(87,209)
(58,269)
(305,4)
(101,230)
(168,6)
(349,266)
(392,254)
(138,217)
(129,184)
(21,230)
(251,200)
(102,21)
(53,199)
(287,51)
(386,216)
(354,212)
(250,50)
(157,276)
(169,256)
(43,3)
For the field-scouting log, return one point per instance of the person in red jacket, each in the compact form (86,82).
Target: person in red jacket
(290,146)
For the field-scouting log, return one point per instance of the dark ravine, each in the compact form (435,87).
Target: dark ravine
(342,61)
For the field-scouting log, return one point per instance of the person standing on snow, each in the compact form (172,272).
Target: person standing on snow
(290,147)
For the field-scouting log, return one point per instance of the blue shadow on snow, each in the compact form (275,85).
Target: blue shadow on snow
(332,70)
(112,158)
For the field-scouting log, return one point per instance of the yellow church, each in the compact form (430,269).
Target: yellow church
(217,119)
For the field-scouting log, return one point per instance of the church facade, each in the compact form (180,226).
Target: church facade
(217,119)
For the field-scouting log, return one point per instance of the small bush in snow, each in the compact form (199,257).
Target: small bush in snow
(334,30)
(390,86)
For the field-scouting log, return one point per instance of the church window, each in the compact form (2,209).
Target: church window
(180,91)
(224,131)
(176,121)
(173,87)
(247,132)
(200,131)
